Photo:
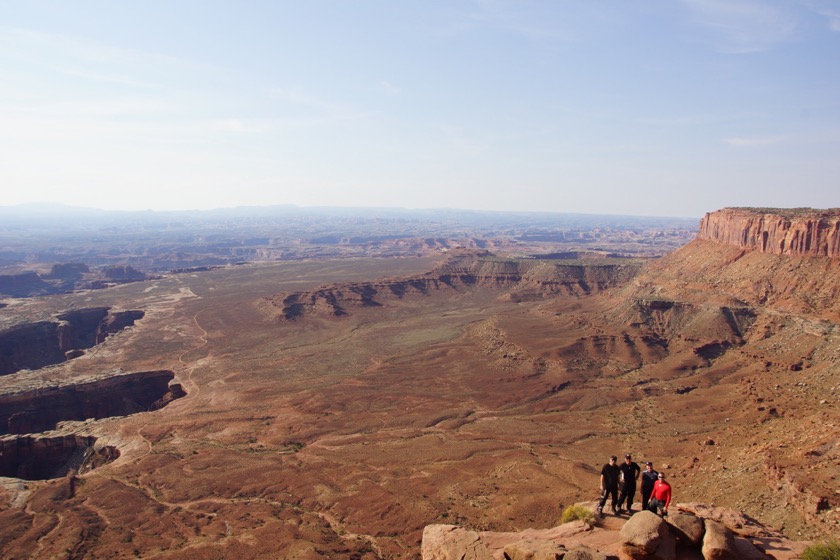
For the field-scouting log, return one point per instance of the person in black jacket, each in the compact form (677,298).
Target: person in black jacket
(629,475)
(649,476)
(610,474)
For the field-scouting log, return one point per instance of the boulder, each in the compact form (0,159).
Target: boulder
(719,542)
(449,542)
(748,551)
(582,552)
(529,549)
(687,528)
(734,520)
(647,536)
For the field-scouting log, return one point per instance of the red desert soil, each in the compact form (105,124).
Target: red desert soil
(489,400)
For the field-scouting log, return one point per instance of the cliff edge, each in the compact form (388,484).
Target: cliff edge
(780,231)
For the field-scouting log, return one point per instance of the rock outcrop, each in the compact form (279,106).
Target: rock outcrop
(447,542)
(43,343)
(646,535)
(719,542)
(798,231)
(43,408)
(688,528)
(808,503)
(725,534)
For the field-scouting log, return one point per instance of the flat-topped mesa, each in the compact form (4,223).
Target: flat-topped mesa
(780,231)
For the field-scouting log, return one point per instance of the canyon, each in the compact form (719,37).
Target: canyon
(43,408)
(336,407)
(65,336)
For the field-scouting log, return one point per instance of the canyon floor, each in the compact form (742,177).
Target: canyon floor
(343,435)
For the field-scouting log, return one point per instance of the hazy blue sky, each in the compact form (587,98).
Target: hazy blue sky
(646,107)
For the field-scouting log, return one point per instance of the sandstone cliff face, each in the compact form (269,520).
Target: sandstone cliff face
(45,458)
(43,408)
(802,231)
(42,343)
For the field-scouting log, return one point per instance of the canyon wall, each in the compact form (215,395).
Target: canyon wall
(795,231)
(43,408)
(42,343)
(43,458)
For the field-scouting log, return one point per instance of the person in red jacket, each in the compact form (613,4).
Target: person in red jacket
(660,497)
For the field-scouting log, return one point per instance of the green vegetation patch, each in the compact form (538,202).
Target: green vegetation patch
(577,512)
(825,551)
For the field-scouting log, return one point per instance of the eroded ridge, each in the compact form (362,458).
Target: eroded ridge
(42,408)
(520,279)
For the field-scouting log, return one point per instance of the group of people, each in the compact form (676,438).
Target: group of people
(656,492)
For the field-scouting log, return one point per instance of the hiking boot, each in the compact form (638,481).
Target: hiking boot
(599,513)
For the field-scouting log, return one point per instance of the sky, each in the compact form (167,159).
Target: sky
(645,107)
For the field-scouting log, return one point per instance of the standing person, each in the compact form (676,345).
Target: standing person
(609,485)
(629,475)
(649,477)
(660,497)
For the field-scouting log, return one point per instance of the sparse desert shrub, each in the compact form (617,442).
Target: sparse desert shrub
(575,512)
(826,551)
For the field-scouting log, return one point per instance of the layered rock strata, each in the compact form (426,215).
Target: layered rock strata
(43,343)
(798,231)
(46,458)
(523,279)
(42,409)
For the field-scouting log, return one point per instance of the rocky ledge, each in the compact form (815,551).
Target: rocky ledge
(691,532)
(792,231)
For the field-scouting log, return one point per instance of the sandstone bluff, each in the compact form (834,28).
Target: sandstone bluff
(801,231)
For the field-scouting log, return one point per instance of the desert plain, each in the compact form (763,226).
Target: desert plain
(335,407)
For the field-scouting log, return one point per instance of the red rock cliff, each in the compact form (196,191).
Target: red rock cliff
(793,231)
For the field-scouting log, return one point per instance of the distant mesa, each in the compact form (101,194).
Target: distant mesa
(123,274)
(521,279)
(25,284)
(42,343)
(68,271)
(797,231)
(66,278)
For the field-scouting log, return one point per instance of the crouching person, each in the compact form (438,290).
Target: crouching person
(660,497)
